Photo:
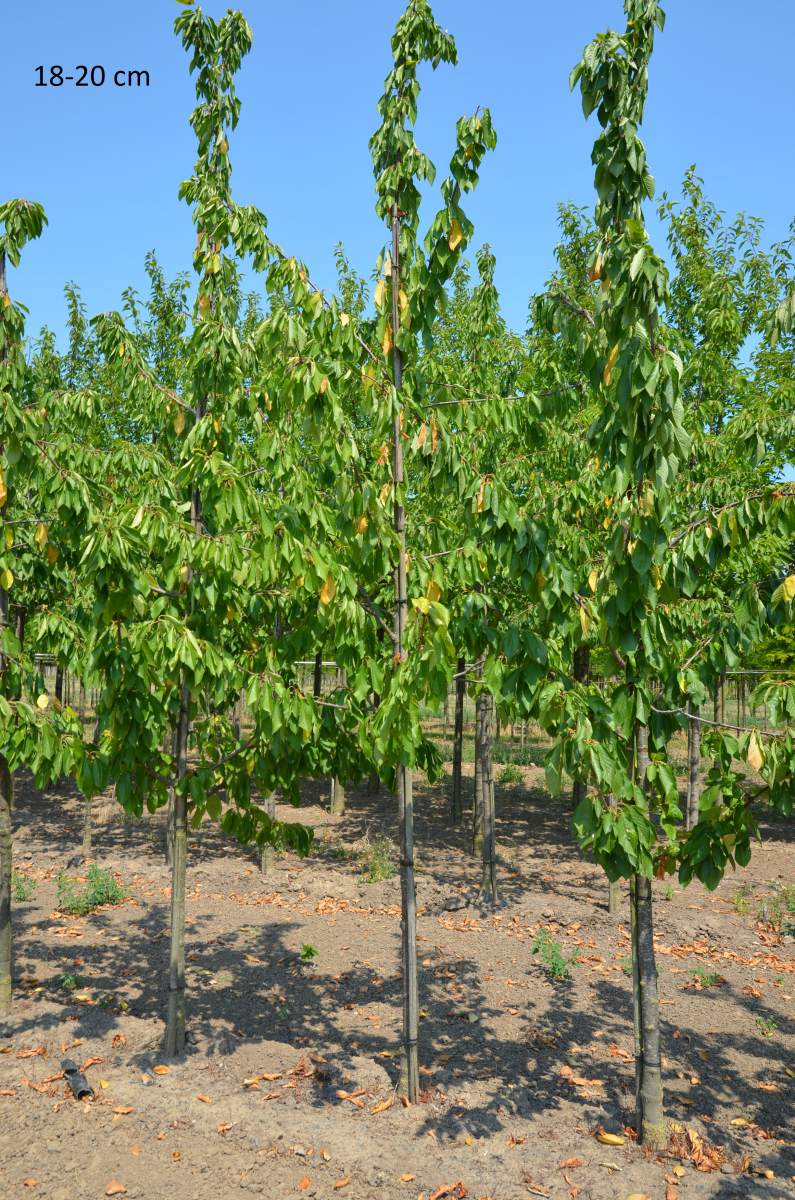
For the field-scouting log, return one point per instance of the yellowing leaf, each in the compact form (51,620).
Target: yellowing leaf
(433,591)
(6,579)
(3,489)
(324,385)
(179,421)
(755,755)
(593,580)
(344,319)
(362,524)
(434,435)
(387,344)
(607,374)
(53,554)
(423,436)
(328,591)
(422,604)
(204,303)
(9,537)
(41,535)
(122,349)
(788,588)
(380,293)
(367,379)
(404,303)
(609,1139)
(585,622)
(596,270)
(456,235)
(481,493)
(217,424)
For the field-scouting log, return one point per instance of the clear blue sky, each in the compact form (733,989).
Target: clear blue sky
(107,163)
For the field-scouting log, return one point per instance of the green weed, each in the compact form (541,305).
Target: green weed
(705,979)
(24,889)
(101,887)
(510,774)
(69,981)
(556,964)
(766,1026)
(376,860)
(308,952)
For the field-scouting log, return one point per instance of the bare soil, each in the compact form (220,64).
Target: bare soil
(289,1088)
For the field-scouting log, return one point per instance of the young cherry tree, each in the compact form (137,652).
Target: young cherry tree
(38,501)
(408,299)
(658,553)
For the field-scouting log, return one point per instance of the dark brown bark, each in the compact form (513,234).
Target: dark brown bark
(693,768)
(582,667)
(6,845)
(458,741)
(488,888)
(478,806)
(410,1081)
(175,1026)
(650,1119)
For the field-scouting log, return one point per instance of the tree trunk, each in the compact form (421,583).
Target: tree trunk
(478,805)
(582,666)
(651,1127)
(613,889)
(410,1080)
(168,841)
(337,799)
(175,1028)
(6,840)
(693,768)
(458,740)
(268,856)
(59,683)
(650,1120)
(488,887)
(6,865)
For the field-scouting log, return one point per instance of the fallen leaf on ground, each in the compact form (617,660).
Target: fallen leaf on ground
(304,1183)
(30,1183)
(176,1155)
(407,1178)
(38,1051)
(569,1163)
(92,1062)
(115,1188)
(224,1127)
(342,1183)
(609,1139)
(135,1149)
(383,1105)
(161,1070)
(204,1099)
(121,1110)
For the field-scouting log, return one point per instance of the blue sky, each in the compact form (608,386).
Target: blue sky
(106,163)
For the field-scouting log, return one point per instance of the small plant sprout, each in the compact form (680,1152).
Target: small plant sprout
(308,952)
(556,963)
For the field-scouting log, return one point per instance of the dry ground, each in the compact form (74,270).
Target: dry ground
(519,1072)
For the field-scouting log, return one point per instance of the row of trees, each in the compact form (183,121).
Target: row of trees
(584,525)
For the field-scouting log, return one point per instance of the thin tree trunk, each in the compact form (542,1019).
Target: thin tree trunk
(614,888)
(268,856)
(337,804)
(693,768)
(59,683)
(488,887)
(410,1080)
(175,1027)
(458,740)
(6,841)
(582,666)
(478,802)
(650,1120)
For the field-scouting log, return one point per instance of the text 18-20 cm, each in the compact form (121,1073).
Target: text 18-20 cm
(95,76)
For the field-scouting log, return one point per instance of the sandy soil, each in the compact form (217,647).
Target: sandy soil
(289,1086)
